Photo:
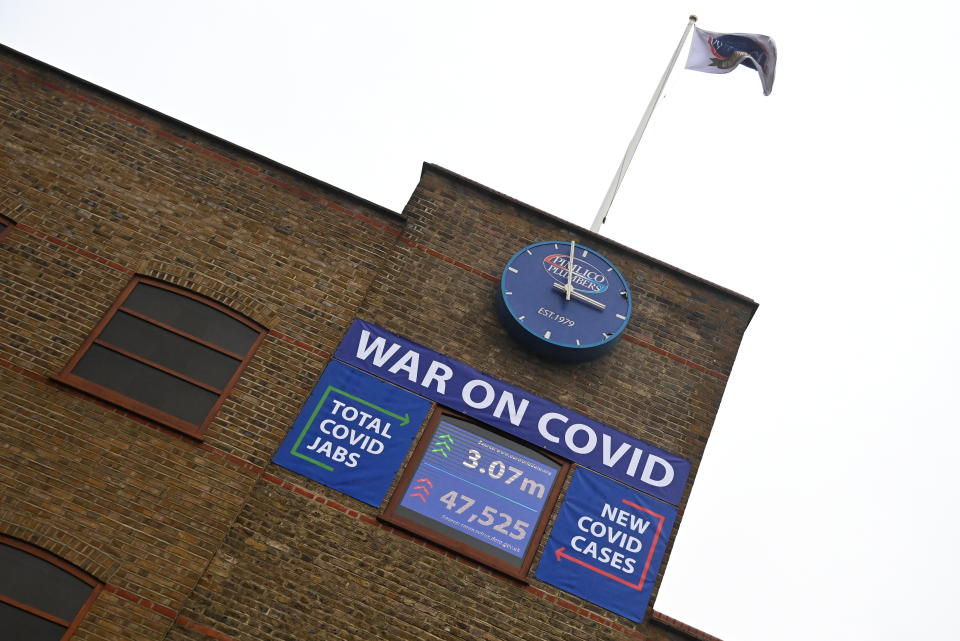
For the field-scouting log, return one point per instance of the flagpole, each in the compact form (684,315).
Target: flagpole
(632,147)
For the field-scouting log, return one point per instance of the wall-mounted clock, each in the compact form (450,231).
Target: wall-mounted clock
(567,314)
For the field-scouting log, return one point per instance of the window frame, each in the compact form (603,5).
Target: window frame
(8,226)
(521,572)
(71,626)
(67,377)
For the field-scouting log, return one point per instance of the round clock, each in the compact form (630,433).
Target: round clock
(563,300)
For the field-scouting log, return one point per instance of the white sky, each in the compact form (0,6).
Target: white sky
(824,508)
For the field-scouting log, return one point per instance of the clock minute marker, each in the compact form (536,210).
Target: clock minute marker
(514,270)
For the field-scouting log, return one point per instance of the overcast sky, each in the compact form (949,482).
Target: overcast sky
(825,505)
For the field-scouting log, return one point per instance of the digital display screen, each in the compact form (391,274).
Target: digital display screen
(480,488)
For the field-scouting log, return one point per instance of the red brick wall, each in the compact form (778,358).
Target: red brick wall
(199,540)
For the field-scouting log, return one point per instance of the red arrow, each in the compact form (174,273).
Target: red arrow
(561,555)
(422,498)
(656,536)
(425,480)
(422,487)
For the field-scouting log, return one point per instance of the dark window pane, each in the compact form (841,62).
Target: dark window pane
(145,384)
(18,625)
(192,317)
(3,226)
(40,584)
(165,348)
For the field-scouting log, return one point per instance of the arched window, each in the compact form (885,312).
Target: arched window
(165,353)
(42,598)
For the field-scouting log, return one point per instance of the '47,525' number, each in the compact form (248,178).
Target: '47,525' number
(487,516)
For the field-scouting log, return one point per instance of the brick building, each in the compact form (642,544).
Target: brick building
(170,301)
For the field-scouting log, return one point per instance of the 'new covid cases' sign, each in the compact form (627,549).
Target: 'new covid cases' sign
(353,433)
(607,544)
(480,488)
(515,411)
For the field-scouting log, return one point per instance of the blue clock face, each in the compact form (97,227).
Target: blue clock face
(571,314)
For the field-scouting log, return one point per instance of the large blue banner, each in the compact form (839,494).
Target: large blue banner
(515,411)
(607,544)
(353,433)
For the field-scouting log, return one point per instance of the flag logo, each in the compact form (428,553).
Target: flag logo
(731,50)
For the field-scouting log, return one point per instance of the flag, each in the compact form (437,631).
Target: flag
(723,52)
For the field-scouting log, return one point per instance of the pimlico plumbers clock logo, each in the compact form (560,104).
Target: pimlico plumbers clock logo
(586,277)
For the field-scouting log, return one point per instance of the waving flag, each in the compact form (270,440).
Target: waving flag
(723,52)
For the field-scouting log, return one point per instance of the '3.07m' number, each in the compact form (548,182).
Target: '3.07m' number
(497,470)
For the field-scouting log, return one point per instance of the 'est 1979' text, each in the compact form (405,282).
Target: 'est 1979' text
(552,315)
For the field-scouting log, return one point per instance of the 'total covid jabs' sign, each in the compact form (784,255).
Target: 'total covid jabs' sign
(353,433)
(515,411)
(607,544)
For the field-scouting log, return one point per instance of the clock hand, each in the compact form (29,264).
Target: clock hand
(579,296)
(569,287)
(587,299)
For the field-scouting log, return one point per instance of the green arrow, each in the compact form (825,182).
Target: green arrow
(443,444)
(403,420)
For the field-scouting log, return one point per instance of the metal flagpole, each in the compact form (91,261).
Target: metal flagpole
(632,147)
